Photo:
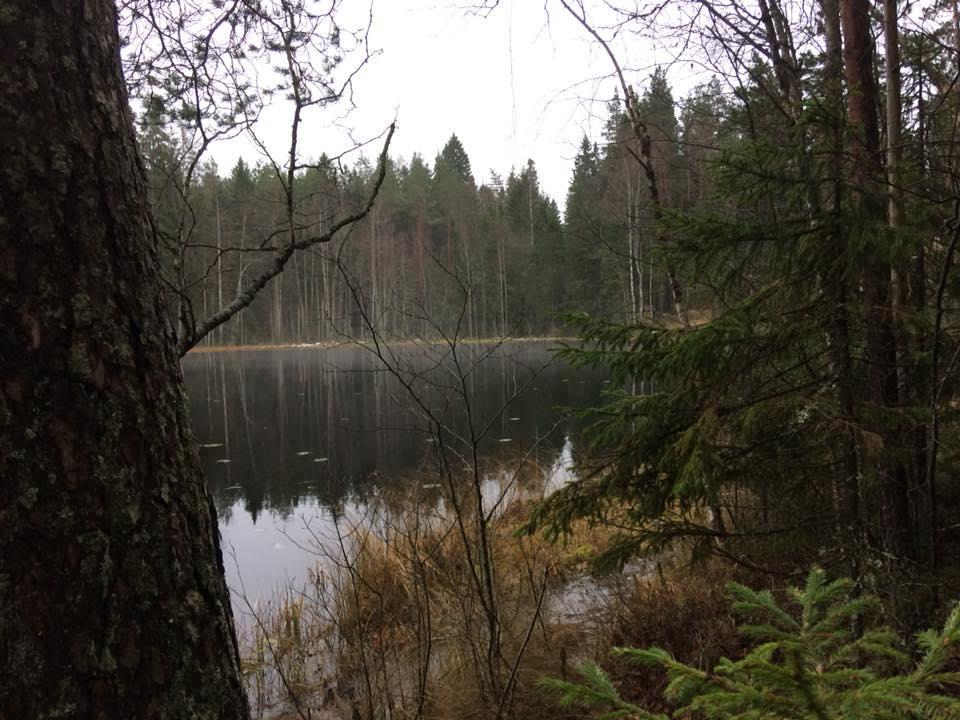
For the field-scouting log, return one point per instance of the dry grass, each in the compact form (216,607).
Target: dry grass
(396,622)
(413,607)
(683,609)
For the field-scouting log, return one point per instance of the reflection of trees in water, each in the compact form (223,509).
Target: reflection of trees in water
(330,423)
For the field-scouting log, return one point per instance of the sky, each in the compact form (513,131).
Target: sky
(524,81)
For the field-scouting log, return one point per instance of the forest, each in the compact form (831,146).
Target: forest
(755,515)
(439,247)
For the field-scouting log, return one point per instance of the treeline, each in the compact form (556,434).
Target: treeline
(439,253)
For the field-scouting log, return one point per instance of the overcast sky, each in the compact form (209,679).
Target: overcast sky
(523,82)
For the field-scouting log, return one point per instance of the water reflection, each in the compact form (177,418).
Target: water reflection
(290,437)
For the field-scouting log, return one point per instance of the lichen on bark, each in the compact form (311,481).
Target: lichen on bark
(112,598)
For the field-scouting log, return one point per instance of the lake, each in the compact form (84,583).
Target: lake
(293,437)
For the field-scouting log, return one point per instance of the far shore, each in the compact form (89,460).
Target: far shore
(334,344)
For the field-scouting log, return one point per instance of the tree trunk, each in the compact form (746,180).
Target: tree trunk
(862,106)
(112,597)
(847,492)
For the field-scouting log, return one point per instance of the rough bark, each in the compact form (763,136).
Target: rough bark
(847,493)
(862,112)
(894,110)
(112,598)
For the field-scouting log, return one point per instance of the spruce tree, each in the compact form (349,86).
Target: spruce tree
(806,662)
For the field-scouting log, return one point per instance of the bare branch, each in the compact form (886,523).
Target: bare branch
(194,334)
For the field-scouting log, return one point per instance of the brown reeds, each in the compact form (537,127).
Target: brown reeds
(395,621)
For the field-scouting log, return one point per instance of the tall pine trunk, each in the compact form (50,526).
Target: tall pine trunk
(848,492)
(862,110)
(112,597)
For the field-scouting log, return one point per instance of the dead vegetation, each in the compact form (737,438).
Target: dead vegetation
(400,620)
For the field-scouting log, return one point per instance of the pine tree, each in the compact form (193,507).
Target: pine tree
(588,266)
(113,602)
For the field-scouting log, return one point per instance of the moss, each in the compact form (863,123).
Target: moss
(9,13)
(107,662)
(64,710)
(84,655)
(29,497)
(79,362)
(102,534)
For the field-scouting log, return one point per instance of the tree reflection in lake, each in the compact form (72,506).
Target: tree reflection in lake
(290,435)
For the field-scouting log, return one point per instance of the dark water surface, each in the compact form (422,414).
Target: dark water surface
(290,437)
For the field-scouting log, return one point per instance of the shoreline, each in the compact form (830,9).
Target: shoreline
(333,345)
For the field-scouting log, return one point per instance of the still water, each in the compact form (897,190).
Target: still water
(291,438)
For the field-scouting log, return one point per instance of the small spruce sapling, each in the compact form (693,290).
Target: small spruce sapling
(807,663)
